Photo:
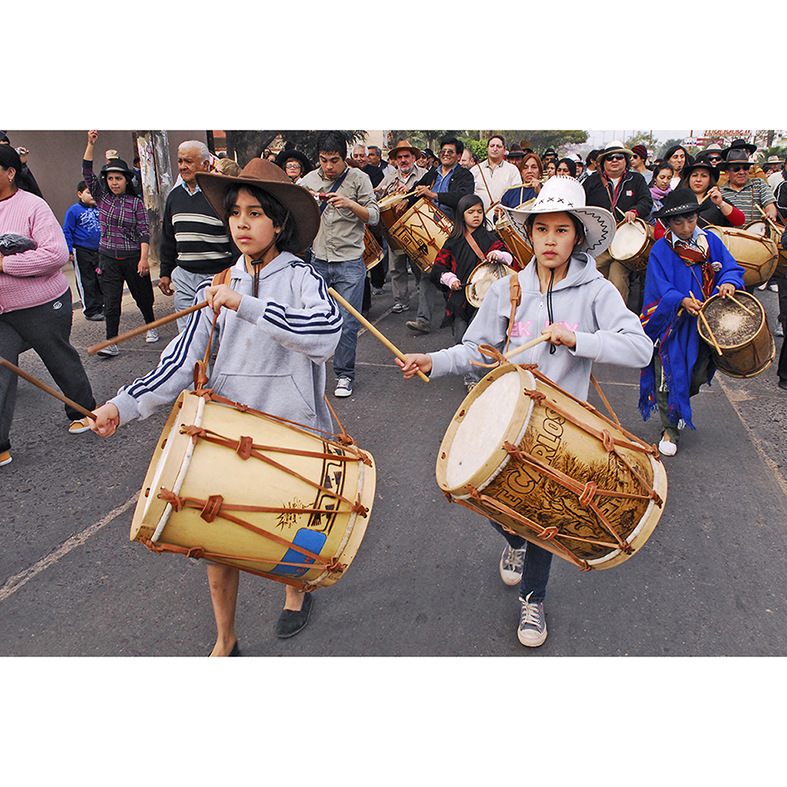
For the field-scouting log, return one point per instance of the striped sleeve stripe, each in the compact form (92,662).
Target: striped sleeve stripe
(205,255)
(199,237)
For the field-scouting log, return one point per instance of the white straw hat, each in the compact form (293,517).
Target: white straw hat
(562,193)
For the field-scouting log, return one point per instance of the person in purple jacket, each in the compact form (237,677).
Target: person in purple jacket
(125,241)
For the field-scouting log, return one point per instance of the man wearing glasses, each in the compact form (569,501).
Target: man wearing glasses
(744,192)
(445,186)
(401,181)
(625,194)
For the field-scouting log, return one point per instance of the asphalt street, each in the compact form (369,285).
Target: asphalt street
(711,580)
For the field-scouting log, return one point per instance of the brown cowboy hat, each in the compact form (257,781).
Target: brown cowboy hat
(405,145)
(267,176)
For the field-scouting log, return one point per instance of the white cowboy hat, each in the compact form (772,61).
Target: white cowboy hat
(562,193)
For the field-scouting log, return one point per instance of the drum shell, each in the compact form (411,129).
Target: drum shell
(421,231)
(541,431)
(372,251)
(633,255)
(204,469)
(750,356)
(764,229)
(757,255)
(518,247)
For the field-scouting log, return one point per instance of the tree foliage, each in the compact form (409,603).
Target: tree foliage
(250,144)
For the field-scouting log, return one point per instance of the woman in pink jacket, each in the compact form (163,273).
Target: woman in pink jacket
(35,299)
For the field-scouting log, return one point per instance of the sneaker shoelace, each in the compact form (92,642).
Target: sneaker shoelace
(531,615)
(514,560)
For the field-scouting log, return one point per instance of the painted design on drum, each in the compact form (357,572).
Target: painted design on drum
(306,539)
(550,504)
(289,519)
(334,479)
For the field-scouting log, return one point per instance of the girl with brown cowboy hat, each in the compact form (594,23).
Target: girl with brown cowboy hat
(277,326)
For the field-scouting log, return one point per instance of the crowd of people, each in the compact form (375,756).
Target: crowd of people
(262,246)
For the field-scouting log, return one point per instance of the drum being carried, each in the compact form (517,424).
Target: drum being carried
(421,231)
(252,491)
(552,469)
(372,251)
(756,254)
(516,244)
(632,244)
(744,339)
(767,230)
(484,275)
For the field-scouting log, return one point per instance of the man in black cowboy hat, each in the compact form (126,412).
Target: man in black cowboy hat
(744,192)
(622,192)
(295,163)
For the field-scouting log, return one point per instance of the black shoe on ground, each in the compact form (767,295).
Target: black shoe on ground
(291,622)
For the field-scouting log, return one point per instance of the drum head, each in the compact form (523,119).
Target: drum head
(494,412)
(629,240)
(482,278)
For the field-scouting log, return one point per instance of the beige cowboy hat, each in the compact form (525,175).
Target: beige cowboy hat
(564,194)
(616,146)
(405,145)
(269,177)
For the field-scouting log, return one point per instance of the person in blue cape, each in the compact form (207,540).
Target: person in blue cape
(685,268)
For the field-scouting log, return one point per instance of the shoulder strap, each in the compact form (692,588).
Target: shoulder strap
(515,295)
(222,277)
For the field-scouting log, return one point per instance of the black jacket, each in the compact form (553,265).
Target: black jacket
(633,194)
(462,183)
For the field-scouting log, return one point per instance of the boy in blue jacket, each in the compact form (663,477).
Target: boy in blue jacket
(83,233)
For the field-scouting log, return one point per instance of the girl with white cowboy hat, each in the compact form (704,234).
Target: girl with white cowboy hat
(563,296)
(685,267)
(276,326)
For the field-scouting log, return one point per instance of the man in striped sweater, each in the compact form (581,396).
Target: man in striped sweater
(194,243)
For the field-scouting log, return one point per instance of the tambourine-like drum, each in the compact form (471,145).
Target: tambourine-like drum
(766,230)
(372,251)
(550,468)
(256,492)
(421,231)
(516,244)
(484,275)
(756,254)
(746,343)
(631,244)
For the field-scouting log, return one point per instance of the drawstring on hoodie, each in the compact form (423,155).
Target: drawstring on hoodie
(550,317)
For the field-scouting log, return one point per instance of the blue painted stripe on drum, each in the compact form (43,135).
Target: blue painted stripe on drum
(306,539)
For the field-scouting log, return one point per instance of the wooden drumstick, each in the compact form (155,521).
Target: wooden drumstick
(769,220)
(44,387)
(707,326)
(745,308)
(532,343)
(144,328)
(361,319)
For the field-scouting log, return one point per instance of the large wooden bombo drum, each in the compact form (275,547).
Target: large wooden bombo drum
(746,343)
(552,469)
(632,244)
(249,490)
(756,254)
(421,231)
(517,245)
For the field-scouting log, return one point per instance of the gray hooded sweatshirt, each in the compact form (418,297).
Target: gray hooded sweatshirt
(271,352)
(585,302)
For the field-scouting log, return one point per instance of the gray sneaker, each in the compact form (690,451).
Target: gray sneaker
(511,565)
(532,630)
(109,352)
(344,387)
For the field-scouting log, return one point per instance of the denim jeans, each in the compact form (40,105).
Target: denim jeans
(347,279)
(537,564)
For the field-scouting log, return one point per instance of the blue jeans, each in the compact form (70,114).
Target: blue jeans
(535,574)
(347,278)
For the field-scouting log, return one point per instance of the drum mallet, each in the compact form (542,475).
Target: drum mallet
(144,328)
(707,325)
(532,343)
(361,319)
(44,387)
